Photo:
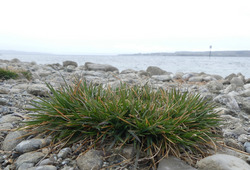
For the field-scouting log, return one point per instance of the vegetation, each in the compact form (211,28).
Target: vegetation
(156,122)
(7,74)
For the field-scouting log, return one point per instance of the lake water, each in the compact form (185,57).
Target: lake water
(214,65)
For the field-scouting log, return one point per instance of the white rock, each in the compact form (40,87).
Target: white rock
(222,162)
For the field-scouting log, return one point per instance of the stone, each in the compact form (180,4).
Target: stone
(237,81)
(127,71)
(229,77)
(234,144)
(30,157)
(38,90)
(214,86)
(153,70)
(70,63)
(247,86)
(25,166)
(227,100)
(43,167)
(100,67)
(163,78)
(11,140)
(244,138)
(245,93)
(245,105)
(5,126)
(46,162)
(93,159)
(10,119)
(4,90)
(31,145)
(3,101)
(196,79)
(128,152)
(143,73)
(222,162)
(64,153)
(173,163)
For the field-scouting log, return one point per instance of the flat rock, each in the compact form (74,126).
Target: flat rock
(44,167)
(38,90)
(90,160)
(163,78)
(11,140)
(70,63)
(30,157)
(196,79)
(100,67)
(173,163)
(10,119)
(222,162)
(4,90)
(31,145)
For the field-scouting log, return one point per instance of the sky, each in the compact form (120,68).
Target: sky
(124,26)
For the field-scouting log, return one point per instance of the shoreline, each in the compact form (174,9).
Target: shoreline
(232,94)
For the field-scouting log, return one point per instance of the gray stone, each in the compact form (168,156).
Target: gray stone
(234,144)
(214,86)
(10,119)
(6,126)
(100,67)
(44,167)
(173,163)
(38,90)
(247,147)
(227,100)
(46,162)
(163,78)
(4,90)
(128,152)
(70,63)
(244,138)
(245,105)
(127,71)
(245,93)
(90,160)
(25,166)
(222,162)
(237,81)
(3,101)
(143,73)
(153,70)
(196,79)
(247,86)
(64,153)
(229,77)
(31,145)
(30,157)
(11,140)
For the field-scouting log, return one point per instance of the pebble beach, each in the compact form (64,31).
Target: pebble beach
(19,151)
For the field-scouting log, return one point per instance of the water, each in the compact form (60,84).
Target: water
(215,65)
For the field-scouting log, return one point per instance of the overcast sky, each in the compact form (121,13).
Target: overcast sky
(124,26)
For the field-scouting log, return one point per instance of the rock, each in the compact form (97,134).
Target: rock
(245,93)
(69,63)
(244,138)
(26,166)
(222,162)
(10,119)
(30,158)
(100,67)
(143,73)
(173,163)
(5,126)
(229,77)
(11,140)
(247,86)
(187,76)
(64,153)
(247,147)
(245,105)
(237,81)
(153,70)
(214,86)
(46,162)
(4,90)
(127,71)
(31,145)
(128,152)
(234,144)
(90,160)
(70,69)
(38,90)
(196,79)
(44,167)
(163,78)
(227,100)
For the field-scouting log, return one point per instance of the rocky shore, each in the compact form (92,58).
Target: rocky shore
(23,151)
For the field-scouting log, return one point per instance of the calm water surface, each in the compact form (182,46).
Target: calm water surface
(215,65)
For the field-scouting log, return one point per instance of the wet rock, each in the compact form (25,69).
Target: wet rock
(70,63)
(100,67)
(153,70)
(30,158)
(31,145)
(11,140)
(173,163)
(222,162)
(90,160)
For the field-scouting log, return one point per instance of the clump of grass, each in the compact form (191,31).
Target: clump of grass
(7,74)
(27,74)
(157,122)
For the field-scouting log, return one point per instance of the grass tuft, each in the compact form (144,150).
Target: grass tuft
(7,74)
(159,122)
